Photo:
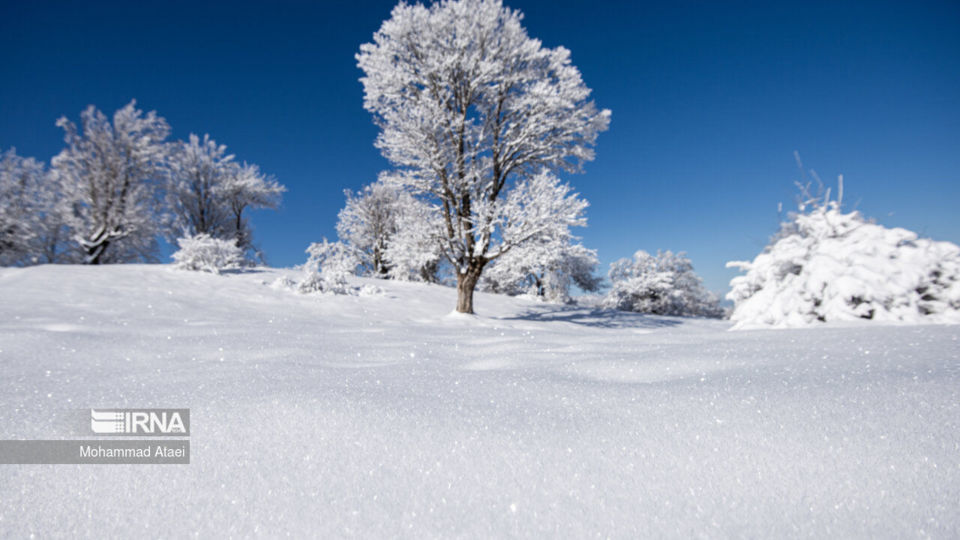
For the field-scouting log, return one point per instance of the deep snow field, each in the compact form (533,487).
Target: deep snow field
(384,416)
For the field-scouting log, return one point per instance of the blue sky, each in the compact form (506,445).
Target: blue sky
(709,102)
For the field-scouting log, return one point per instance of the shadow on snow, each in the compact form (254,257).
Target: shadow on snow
(597,318)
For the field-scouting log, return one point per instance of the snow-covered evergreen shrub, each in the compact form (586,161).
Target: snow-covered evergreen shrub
(825,265)
(327,267)
(664,284)
(202,252)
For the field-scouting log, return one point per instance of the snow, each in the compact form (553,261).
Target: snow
(381,416)
(828,266)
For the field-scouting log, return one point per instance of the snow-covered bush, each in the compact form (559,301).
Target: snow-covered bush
(664,284)
(202,252)
(546,268)
(328,266)
(826,265)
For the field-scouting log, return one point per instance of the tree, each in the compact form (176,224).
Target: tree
(369,221)
(472,112)
(112,177)
(827,265)
(664,284)
(33,213)
(198,172)
(392,233)
(18,178)
(545,267)
(209,191)
(249,188)
(327,267)
(414,251)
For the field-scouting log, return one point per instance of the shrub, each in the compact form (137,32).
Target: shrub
(825,265)
(205,253)
(664,284)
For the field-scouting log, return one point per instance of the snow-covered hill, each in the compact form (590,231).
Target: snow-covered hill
(384,416)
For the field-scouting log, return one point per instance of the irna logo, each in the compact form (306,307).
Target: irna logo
(158,422)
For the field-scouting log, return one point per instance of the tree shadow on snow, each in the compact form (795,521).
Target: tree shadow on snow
(597,318)
(251,270)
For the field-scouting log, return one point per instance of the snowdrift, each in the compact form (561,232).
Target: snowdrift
(323,415)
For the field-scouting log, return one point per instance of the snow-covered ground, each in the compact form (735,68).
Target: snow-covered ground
(384,416)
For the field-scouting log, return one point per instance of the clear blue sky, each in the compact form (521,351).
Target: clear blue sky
(709,102)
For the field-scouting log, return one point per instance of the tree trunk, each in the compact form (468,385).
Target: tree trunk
(94,254)
(466,283)
(93,248)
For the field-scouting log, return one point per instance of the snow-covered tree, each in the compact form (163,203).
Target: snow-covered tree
(111,173)
(328,266)
(17,174)
(249,188)
(393,233)
(19,177)
(368,221)
(205,253)
(33,213)
(198,170)
(662,284)
(472,113)
(827,265)
(544,267)
(414,253)
(209,191)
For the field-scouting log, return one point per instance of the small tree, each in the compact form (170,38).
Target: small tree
(209,191)
(198,171)
(472,111)
(111,174)
(664,284)
(369,221)
(547,268)
(328,266)
(414,252)
(249,188)
(393,234)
